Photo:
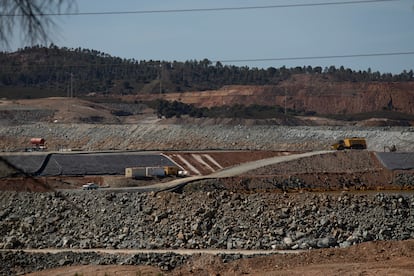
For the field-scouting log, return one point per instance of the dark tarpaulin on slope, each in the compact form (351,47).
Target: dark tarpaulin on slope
(396,160)
(87,164)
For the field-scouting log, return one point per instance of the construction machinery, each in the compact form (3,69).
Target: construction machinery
(38,144)
(392,148)
(146,172)
(350,143)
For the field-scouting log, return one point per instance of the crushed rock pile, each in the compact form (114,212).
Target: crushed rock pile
(186,137)
(217,219)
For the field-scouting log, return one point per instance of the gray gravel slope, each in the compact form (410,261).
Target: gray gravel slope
(181,137)
(217,219)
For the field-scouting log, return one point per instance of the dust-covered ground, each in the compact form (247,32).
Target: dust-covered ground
(370,258)
(159,136)
(339,205)
(73,124)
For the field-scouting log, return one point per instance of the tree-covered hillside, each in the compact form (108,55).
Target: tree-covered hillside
(52,71)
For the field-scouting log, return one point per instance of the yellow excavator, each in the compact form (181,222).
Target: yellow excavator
(350,143)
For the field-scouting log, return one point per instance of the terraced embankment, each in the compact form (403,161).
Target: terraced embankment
(50,164)
(158,136)
(233,213)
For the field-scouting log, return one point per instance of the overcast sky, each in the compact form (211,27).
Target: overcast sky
(332,30)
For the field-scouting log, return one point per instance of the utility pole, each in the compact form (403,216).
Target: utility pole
(160,78)
(71,85)
(285,100)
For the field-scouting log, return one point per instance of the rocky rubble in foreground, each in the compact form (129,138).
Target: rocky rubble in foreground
(218,219)
(17,263)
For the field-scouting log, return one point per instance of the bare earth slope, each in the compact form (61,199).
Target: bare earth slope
(307,93)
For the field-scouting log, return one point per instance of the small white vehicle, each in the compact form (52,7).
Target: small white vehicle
(90,186)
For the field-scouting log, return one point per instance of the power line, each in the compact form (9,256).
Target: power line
(318,57)
(207,9)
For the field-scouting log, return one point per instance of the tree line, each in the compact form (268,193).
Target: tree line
(86,71)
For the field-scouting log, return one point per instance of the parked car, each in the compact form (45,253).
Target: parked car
(90,186)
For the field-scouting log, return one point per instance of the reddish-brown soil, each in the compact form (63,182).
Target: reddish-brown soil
(302,93)
(307,93)
(23,184)
(342,170)
(44,184)
(371,258)
(337,171)
(223,158)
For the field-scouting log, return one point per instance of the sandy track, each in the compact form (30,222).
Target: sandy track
(227,172)
(156,251)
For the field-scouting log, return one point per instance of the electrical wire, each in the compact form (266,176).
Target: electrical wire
(318,57)
(206,9)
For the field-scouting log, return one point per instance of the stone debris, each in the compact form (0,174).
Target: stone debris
(221,220)
(183,137)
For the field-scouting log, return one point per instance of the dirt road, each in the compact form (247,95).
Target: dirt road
(372,258)
(156,251)
(243,168)
(227,172)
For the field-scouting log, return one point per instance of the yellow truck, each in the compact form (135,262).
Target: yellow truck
(171,170)
(350,143)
